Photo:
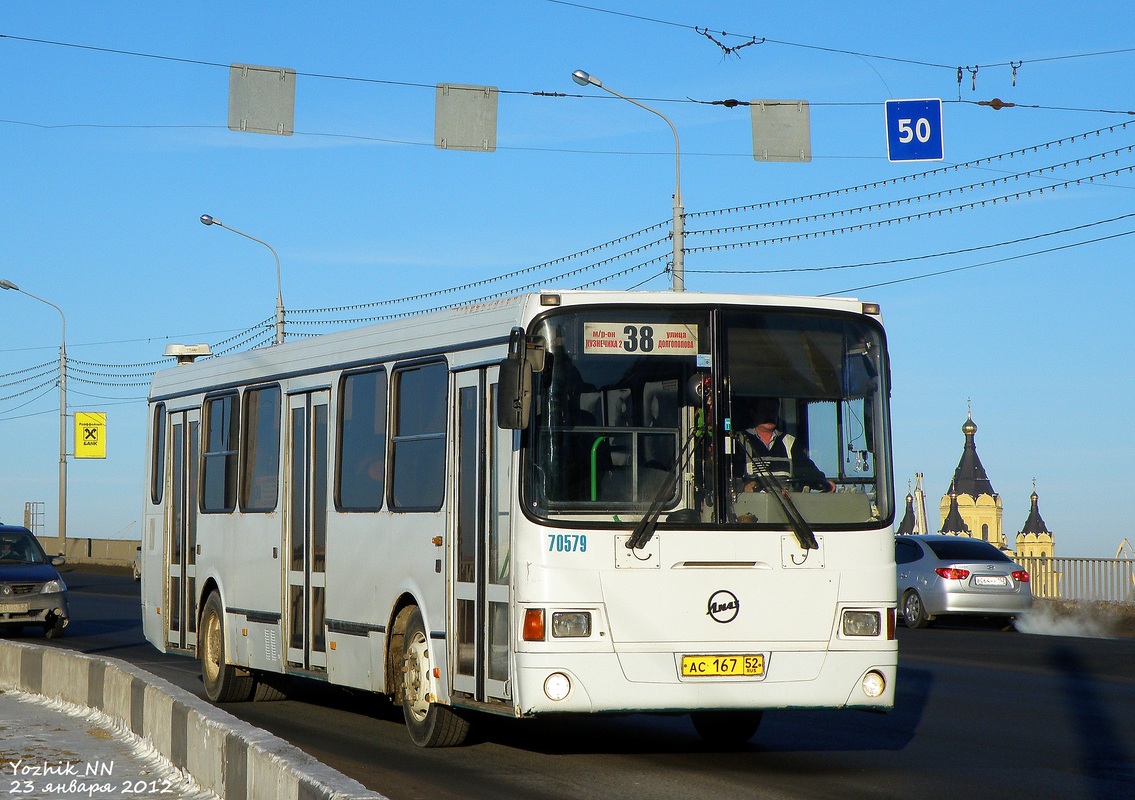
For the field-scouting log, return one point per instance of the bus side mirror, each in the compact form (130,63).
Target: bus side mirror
(514,379)
(514,393)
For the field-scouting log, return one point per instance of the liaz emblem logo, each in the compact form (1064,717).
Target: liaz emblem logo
(723,606)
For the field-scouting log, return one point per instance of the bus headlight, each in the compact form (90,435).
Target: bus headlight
(571,624)
(874,684)
(557,686)
(861,623)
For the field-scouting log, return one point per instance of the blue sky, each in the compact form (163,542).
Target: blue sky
(114,141)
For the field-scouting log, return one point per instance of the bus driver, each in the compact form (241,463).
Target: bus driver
(768,450)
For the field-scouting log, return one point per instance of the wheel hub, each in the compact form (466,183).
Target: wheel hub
(416,679)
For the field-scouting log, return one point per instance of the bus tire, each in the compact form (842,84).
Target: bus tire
(224,683)
(428,723)
(726,728)
(913,611)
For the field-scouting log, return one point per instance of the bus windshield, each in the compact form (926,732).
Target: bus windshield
(709,414)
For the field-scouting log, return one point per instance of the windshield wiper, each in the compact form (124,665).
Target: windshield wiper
(772,485)
(644,531)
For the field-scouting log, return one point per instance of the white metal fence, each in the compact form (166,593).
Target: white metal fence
(1108,580)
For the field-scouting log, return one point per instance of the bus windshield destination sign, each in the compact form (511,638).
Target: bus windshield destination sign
(616,338)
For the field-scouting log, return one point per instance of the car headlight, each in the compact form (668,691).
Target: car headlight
(52,587)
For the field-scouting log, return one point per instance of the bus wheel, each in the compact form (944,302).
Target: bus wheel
(428,723)
(726,728)
(224,683)
(913,612)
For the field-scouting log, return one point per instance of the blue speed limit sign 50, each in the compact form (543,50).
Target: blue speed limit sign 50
(914,130)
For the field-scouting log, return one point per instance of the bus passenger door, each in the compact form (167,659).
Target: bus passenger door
(181,530)
(479,524)
(305,536)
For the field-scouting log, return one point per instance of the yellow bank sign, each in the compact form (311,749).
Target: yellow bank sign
(90,434)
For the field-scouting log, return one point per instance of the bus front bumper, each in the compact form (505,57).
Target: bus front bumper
(652,682)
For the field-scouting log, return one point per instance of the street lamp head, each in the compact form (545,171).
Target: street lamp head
(208,220)
(9,285)
(583,78)
(677,232)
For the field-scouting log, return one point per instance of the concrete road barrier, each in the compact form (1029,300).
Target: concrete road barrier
(225,755)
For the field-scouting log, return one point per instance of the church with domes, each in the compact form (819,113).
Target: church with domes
(972,507)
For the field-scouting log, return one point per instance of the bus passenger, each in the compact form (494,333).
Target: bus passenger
(768,450)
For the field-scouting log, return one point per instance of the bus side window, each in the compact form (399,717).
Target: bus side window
(158,456)
(222,431)
(362,441)
(417,441)
(260,467)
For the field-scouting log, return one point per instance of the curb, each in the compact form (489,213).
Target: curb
(225,755)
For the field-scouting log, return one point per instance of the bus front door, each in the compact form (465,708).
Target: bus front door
(305,545)
(479,524)
(181,531)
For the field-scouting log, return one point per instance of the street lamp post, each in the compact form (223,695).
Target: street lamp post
(62,415)
(679,273)
(207,220)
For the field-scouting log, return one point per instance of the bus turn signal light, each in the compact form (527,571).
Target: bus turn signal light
(533,624)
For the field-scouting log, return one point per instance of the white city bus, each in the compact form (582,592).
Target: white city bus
(540,505)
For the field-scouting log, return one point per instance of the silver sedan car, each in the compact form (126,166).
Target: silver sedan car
(942,575)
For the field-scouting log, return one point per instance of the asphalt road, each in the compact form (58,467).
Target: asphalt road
(979,712)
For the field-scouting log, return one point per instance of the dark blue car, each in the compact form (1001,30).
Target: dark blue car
(31,591)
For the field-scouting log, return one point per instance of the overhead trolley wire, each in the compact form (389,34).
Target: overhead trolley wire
(25,404)
(1010,154)
(109,383)
(699,30)
(44,365)
(887,204)
(51,369)
(79,371)
(910,217)
(1017,257)
(115,401)
(498,278)
(907,259)
(702,30)
(217,64)
(115,366)
(48,383)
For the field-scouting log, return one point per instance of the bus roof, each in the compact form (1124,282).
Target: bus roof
(464,327)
